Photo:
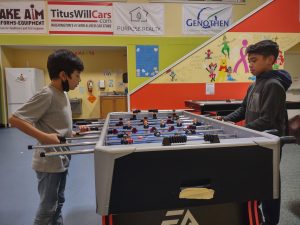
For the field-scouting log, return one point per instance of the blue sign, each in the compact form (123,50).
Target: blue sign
(146,60)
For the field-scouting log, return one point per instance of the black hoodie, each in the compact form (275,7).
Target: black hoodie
(263,108)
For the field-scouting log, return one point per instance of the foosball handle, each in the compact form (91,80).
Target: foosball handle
(78,123)
(212,138)
(61,139)
(167,141)
(153,110)
(272,131)
(287,140)
(136,111)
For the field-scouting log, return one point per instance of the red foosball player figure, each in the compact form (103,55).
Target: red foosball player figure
(120,123)
(126,140)
(153,129)
(134,130)
(171,128)
(169,120)
(130,140)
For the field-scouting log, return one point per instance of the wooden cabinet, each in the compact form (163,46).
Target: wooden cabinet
(112,104)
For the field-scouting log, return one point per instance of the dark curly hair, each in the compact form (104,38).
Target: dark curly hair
(265,48)
(63,60)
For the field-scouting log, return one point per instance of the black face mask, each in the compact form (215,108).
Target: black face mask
(65,85)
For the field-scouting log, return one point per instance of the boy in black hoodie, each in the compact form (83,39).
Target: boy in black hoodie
(263,107)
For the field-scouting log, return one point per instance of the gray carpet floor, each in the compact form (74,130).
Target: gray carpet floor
(18,186)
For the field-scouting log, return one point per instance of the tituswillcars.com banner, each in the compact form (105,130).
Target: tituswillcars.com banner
(138,19)
(80,17)
(23,17)
(206,18)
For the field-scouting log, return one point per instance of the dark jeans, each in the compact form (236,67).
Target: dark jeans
(51,187)
(271,211)
(271,208)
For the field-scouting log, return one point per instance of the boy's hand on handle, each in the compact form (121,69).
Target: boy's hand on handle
(219,118)
(230,122)
(83,128)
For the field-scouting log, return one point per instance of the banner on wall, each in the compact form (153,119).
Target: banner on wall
(138,19)
(80,18)
(23,17)
(146,60)
(206,18)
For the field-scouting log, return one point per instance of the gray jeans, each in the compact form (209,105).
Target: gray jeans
(51,187)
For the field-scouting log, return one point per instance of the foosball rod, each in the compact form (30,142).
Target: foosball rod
(185,126)
(167,132)
(82,138)
(149,117)
(112,123)
(87,132)
(62,145)
(76,152)
(89,125)
(101,123)
(166,128)
(157,139)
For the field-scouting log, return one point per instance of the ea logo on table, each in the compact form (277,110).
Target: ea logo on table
(180,217)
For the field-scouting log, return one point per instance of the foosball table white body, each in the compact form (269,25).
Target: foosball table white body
(144,176)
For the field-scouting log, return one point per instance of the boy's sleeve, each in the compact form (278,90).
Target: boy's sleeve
(273,99)
(35,108)
(239,113)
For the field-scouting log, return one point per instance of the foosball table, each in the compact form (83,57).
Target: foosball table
(176,167)
(159,167)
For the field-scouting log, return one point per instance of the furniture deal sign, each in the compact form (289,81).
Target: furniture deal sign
(138,19)
(206,18)
(22,17)
(80,17)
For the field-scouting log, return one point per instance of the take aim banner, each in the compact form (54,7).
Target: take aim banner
(23,17)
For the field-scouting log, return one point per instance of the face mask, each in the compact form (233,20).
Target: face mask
(65,85)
